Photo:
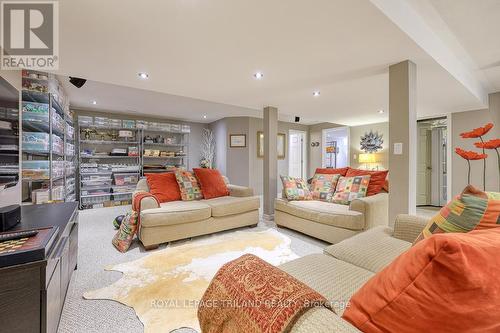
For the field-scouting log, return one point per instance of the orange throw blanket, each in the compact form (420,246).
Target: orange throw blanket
(249,295)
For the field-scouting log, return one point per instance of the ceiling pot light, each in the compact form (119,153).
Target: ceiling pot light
(381,111)
(316,93)
(94,102)
(204,116)
(143,75)
(258,75)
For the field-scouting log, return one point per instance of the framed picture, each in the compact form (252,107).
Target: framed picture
(281,145)
(237,140)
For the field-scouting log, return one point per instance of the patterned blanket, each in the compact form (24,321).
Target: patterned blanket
(130,223)
(250,295)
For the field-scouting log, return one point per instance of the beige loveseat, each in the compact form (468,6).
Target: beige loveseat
(183,219)
(329,221)
(345,267)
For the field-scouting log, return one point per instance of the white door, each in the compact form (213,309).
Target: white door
(424,167)
(297,154)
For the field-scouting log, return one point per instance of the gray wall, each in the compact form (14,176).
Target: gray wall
(464,122)
(194,137)
(355,149)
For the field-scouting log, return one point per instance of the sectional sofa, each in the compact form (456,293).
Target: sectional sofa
(183,219)
(344,267)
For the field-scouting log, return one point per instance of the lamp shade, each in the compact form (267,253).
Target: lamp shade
(367,158)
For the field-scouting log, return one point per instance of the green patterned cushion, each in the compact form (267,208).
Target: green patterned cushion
(350,188)
(188,185)
(295,188)
(323,186)
(472,209)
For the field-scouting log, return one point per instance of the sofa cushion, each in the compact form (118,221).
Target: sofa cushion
(372,250)
(472,209)
(445,283)
(188,185)
(163,186)
(336,280)
(377,179)
(323,212)
(350,188)
(211,182)
(175,212)
(295,188)
(224,206)
(332,171)
(323,186)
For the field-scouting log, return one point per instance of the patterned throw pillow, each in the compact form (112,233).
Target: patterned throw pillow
(323,186)
(188,185)
(350,188)
(472,209)
(295,188)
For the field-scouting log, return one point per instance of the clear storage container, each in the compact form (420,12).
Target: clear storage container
(115,123)
(85,120)
(185,129)
(128,123)
(39,142)
(126,178)
(101,122)
(39,170)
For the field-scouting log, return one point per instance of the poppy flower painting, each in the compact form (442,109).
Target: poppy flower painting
(477,132)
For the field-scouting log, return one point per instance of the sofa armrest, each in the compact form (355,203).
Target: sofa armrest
(239,191)
(408,227)
(146,203)
(375,209)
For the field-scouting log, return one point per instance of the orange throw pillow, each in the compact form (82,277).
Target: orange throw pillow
(330,171)
(211,182)
(377,179)
(163,186)
(446,283)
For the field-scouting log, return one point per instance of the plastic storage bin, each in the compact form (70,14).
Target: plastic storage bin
(128,123)
(175,127)
(186,129)
(142,124)
(39,142)
(39,170)
(85,120)
(126,178)
(70,131)
(127,196)
(95,200)
(115,123)
(101,122)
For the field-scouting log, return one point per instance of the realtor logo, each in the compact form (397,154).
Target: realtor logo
(30,35)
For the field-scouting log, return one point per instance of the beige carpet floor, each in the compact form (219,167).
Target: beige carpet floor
(96,252)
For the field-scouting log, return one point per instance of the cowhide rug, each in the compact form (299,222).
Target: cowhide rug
(164,287)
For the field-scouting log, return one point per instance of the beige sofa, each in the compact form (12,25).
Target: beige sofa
(183,219)
(332,222)
(345,267)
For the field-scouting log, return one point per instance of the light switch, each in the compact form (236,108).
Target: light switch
(398,148)
(355,156)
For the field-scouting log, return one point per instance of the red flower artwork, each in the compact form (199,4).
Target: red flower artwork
(470,155)
(477,132)
(492,144)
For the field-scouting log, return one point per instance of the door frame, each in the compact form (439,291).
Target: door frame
(323,143)
(304,150)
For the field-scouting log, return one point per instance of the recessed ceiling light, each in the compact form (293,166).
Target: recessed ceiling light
(94,102)
(204,116)
(143,75)
(381,111)
(258,75)
(316,93)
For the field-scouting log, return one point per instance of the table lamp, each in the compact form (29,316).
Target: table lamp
(367,159)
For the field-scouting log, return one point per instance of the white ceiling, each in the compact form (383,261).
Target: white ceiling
(208,51)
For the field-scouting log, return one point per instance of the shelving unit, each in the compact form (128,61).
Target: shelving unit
(171,141)
(107,180)
(9,147)
(69,157)
(101,185)
(44,138)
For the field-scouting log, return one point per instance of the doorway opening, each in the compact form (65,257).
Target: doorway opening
(297,152)
(335,145)
(432,162)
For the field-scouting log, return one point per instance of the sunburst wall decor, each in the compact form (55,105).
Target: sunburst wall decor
(371,142)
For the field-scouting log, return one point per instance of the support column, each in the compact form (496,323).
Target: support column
(270,159)
(402,139)
(494,106)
